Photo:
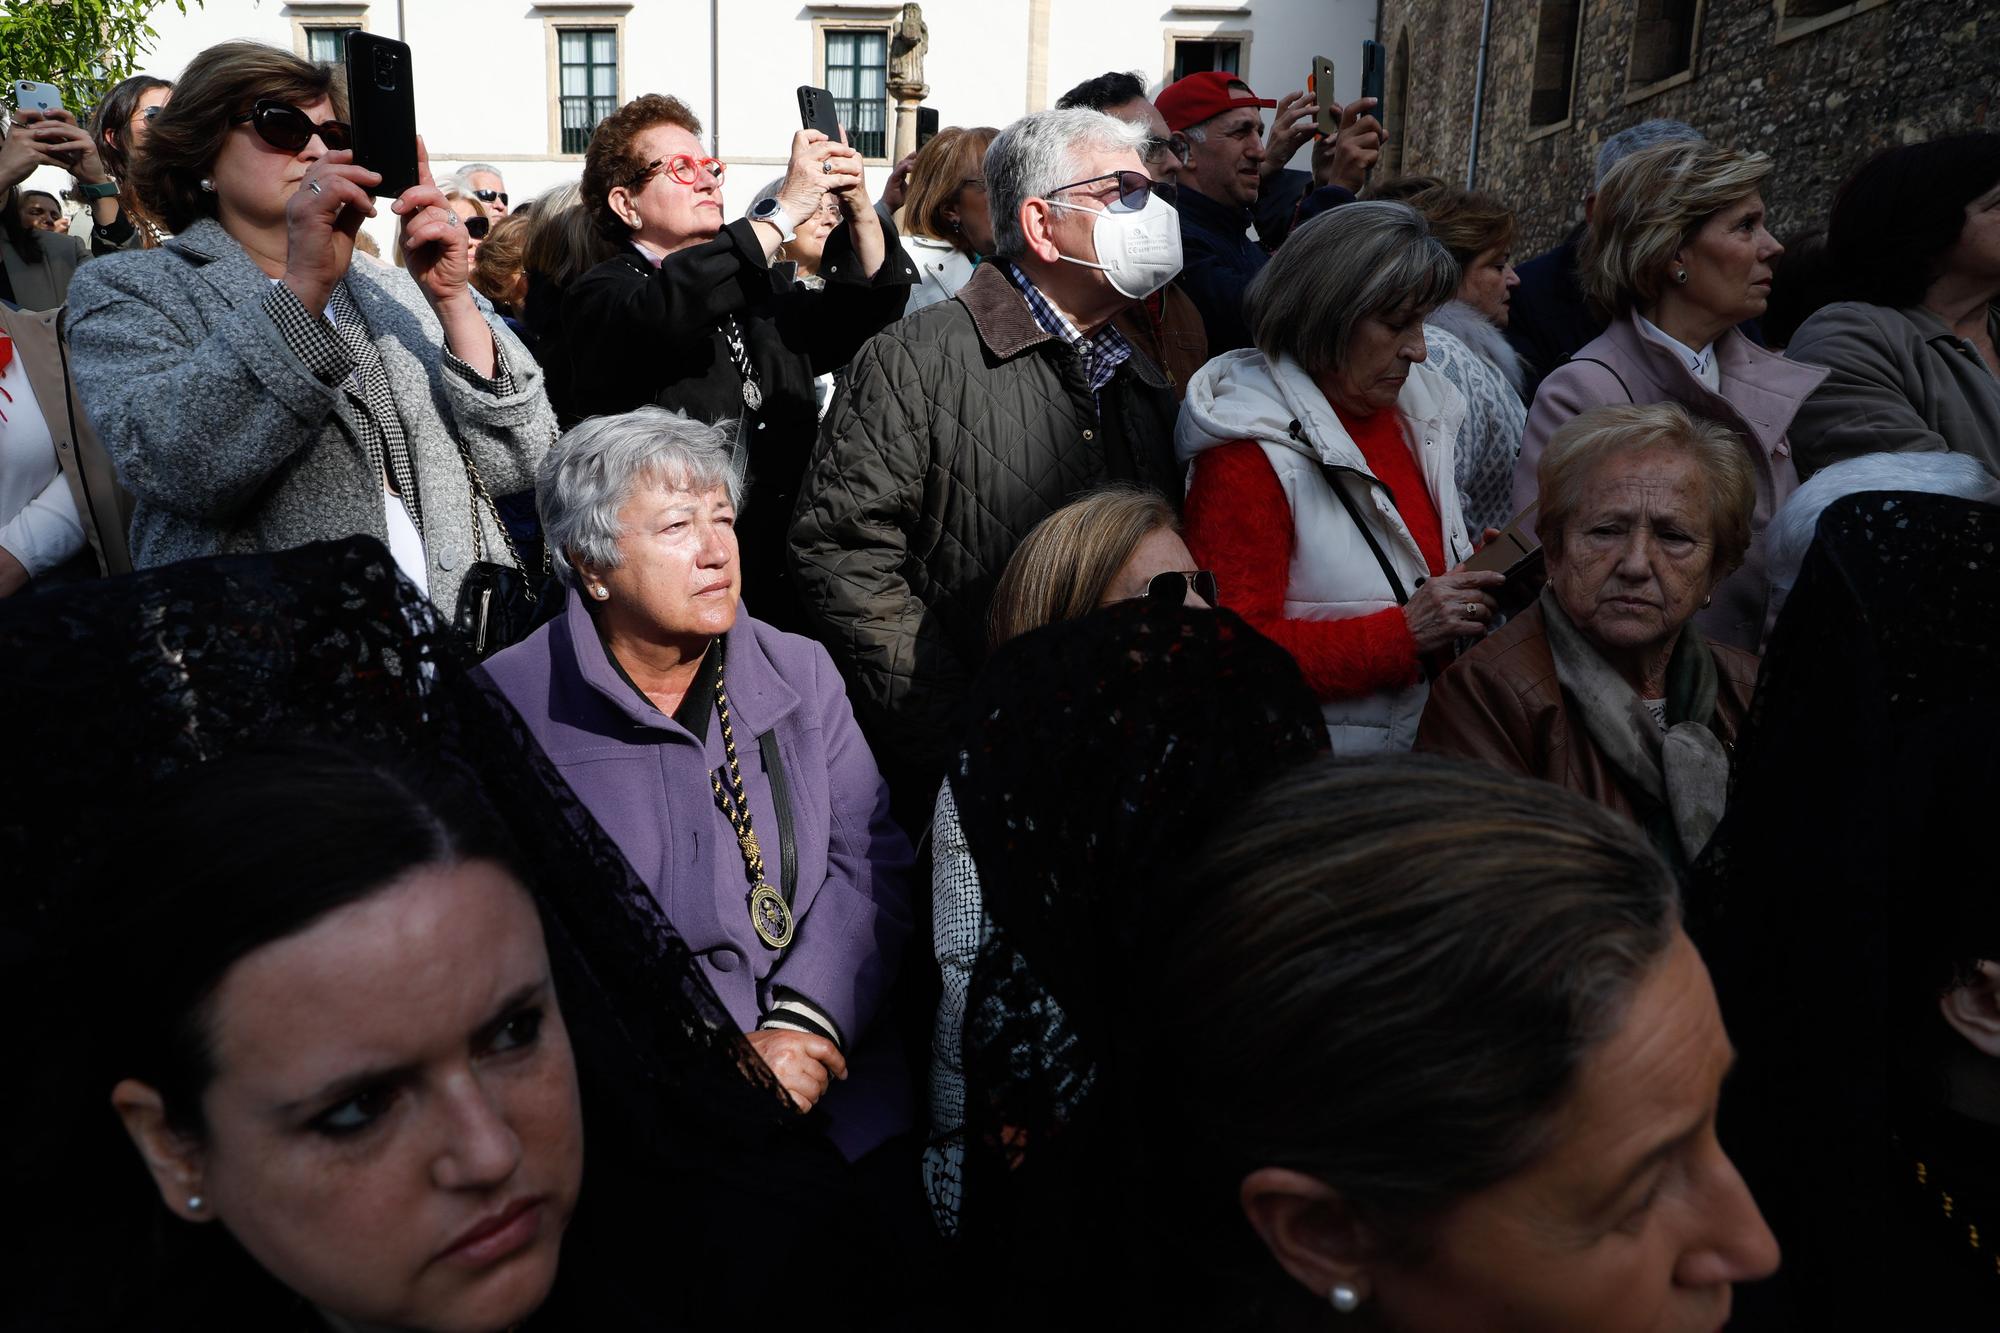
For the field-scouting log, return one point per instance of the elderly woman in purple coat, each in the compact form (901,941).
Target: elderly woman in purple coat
(723,758)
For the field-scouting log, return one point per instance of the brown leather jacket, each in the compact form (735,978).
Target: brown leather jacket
(1501,704)
(1167,328)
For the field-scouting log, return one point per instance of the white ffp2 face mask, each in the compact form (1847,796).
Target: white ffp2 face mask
(1139,250)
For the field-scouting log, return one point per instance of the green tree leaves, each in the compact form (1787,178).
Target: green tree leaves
(83,47)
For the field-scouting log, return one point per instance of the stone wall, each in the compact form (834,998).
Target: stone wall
(1819,102)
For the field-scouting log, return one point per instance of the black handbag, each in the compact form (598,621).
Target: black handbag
(499,605)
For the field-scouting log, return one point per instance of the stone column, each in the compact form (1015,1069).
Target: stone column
(908,42)
(908,96)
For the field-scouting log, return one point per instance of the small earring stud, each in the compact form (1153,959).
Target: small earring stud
(208,185)
(1345,1298)
(600,592)
(196,1203)
(1681,277)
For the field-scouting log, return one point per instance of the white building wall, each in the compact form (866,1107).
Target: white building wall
(485,69)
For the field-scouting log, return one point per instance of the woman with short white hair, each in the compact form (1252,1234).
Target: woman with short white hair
(1324,493)
(723,758)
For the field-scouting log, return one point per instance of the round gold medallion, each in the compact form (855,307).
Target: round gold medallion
(771,915)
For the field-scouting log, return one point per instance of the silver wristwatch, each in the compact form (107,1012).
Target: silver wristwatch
(767,210)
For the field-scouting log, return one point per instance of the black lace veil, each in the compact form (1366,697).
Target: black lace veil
(1853,881)
(108,690)
(1101,749)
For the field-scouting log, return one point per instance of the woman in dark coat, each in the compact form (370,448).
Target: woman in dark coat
(686,314)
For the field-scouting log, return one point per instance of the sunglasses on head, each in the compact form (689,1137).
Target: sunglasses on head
(151,112)
(1133,187)
(1171,588)
(476,227)
(488,196)
(681,167)
(284,126)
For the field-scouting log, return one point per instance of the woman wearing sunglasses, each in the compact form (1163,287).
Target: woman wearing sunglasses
(123,120)
(686,315)
(256,392)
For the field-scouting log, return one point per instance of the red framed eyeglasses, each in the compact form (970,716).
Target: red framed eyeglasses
(682,167)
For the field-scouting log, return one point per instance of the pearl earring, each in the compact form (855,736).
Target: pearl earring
(196,1203)
(1345,1298)
(208,185)
(600,592)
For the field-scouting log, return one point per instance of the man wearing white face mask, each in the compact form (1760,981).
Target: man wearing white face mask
(973,419)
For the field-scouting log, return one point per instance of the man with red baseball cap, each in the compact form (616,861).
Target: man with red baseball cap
(1229,167)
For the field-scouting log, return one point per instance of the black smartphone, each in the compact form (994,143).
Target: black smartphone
(1374,74)
(1325,119)
(927,125)
(382,107)
(818,111)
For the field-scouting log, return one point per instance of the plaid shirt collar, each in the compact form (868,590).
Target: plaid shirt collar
(1101,353)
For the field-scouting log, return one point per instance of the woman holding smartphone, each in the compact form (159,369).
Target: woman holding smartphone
(256,392)
(685,315)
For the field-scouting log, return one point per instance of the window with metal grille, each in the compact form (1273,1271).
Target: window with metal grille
(1201,57)
(857,74)
(327,46)
(587,67)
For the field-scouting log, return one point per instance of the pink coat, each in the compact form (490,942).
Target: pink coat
(1761,392)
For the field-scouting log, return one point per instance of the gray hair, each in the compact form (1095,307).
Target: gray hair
(587,476)
(469,168)
(1040,153)
(1792,531)
(1646,134)
(1365,259)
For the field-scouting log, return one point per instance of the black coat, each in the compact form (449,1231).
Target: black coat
(636,334)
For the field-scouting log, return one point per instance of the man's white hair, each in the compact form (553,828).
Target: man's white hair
(1043,152)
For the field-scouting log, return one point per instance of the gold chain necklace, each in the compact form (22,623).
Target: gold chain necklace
(770,914)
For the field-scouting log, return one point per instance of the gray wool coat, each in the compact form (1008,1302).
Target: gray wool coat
(229,444)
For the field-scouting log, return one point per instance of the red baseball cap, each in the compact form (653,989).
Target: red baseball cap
(1198,97)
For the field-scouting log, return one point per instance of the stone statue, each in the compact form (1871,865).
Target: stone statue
(907,44)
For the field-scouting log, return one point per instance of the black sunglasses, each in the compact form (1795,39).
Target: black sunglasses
(476,227)
(488,196)
(1133,187)
(285,127)
(1171,588)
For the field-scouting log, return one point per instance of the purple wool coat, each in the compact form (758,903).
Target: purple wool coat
(645,778)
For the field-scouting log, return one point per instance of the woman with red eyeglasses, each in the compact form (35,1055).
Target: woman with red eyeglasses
(686,314)
(257,392)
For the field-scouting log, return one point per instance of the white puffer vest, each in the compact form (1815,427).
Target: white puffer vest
(1334,572)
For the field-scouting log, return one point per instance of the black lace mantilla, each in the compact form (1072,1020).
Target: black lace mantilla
(1853,881)
(1100,751)
(107,689)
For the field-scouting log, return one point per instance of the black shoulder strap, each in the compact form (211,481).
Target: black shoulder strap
(1332,475)
(781,798)
(1614,374)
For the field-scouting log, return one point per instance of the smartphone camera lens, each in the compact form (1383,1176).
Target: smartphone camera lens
(385,70)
